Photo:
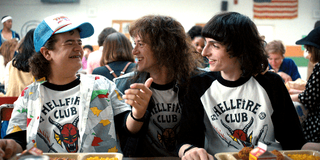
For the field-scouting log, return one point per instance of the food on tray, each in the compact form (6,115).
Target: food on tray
(278,154)
(101,158)
(303,157)
(244,153)
(61,158)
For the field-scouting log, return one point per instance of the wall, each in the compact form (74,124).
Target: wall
(101,13)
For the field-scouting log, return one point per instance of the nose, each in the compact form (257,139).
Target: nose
(134,50)
(271,61)
(78,47)
(205,52)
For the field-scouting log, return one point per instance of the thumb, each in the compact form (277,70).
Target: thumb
(148,82)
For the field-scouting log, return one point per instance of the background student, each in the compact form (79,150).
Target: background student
(117,58)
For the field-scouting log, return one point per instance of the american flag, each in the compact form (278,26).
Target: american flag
(275,9)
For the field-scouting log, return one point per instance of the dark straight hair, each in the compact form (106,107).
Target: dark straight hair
(242,40)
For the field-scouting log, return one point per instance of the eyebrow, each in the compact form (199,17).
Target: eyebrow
(213,41)
(72,40)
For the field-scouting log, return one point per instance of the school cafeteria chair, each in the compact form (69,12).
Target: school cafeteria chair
(6,107)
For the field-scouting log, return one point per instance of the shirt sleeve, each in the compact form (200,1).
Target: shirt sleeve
(295,72)
(192,127)
(20,137)
(287,127)
(113,94)
(18,120)
(310,97)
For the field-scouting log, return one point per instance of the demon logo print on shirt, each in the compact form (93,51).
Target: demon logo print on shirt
(168,136)
(69,135)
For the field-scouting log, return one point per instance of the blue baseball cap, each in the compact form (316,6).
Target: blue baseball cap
(58,23)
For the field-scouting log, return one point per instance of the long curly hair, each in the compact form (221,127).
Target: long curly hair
(169,43)
(242,40)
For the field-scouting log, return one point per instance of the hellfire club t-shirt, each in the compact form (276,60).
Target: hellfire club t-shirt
(164,120)
(58,128)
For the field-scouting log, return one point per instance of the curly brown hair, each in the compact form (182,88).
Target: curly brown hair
(40,66)
(7,50)
(169,43)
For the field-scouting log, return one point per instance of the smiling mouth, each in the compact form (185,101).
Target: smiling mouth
(75,56)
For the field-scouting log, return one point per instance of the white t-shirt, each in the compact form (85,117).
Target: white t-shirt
(58,131)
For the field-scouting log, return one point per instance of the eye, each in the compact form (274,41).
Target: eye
(69,43)
(215,46)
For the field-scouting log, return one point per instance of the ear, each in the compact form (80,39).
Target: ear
(46,53)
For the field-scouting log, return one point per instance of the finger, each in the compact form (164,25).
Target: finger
(3,144)
(130,102)
(141,87)
(136,102)
(9,150)
(210,157)
(1,153)
(139,94)
(184,158)
(203,156)
(148,82)
(129,96)
(132,91)
(137,109)
(196,156)
(187,158)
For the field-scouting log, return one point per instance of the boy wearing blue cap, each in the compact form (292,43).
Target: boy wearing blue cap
(63,111)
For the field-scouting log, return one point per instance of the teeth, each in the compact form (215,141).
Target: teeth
(139,59)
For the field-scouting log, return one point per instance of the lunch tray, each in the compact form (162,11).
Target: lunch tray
(84,156)
(234,155)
